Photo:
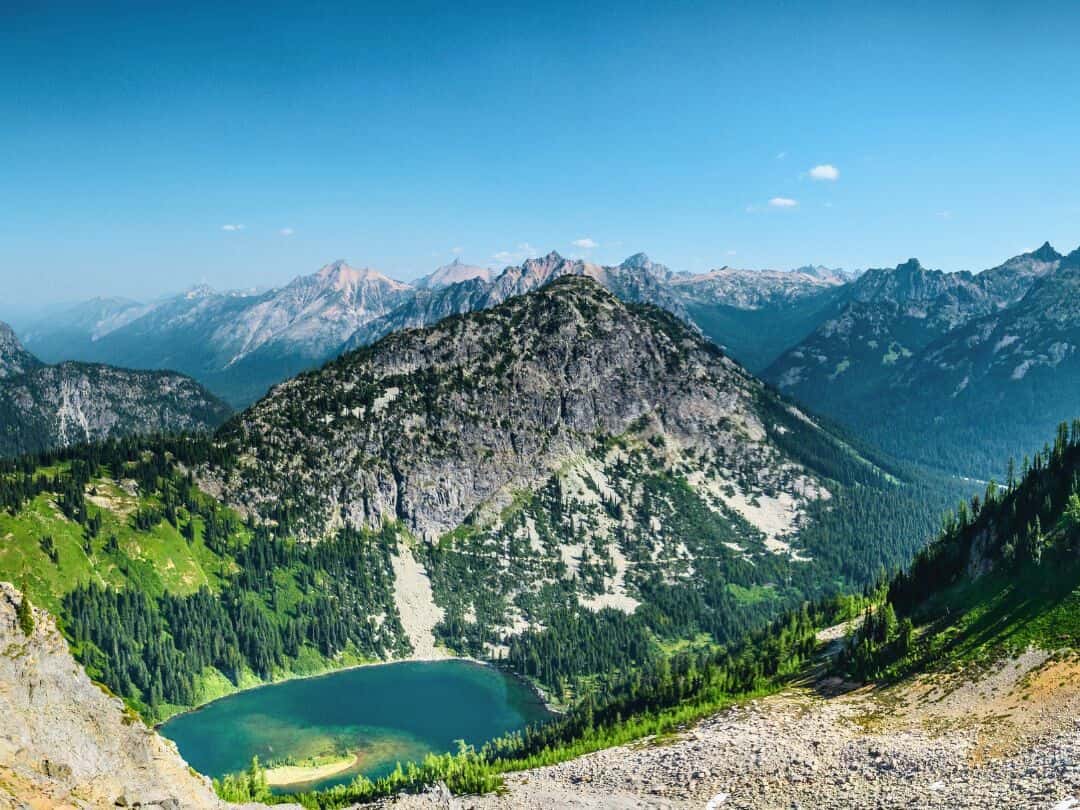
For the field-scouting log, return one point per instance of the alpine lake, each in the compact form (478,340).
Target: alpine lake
(313,733)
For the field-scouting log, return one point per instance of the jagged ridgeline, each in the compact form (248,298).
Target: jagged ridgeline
(566,481)
(1003,576)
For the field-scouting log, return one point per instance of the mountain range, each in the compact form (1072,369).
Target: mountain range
(954,370)
(559,459)
(43,407)
(876,350)
(241,343)
(582,488)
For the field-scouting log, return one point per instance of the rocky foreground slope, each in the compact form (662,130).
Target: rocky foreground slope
(1009,738)
(65,743)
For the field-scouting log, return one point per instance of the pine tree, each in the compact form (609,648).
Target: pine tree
(25,614)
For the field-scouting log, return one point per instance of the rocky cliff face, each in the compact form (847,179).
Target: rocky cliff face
(14,359)
(55,406)
(64,742)
(431,427)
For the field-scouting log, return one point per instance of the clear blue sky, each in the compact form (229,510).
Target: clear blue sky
(393,134)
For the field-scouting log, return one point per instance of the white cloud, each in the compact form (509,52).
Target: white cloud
(287,231)
(782,202)
(781,155)
(503,256)
(232,227)
(457,251)
(731,253)
(944,214)
(585,243)
(825,171)
(528,251)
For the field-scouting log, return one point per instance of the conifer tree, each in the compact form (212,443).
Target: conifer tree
(25,614)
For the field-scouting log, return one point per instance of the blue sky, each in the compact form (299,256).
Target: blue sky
(401,135)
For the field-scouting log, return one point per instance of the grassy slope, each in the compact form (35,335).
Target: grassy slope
(156,561)
(1004,612)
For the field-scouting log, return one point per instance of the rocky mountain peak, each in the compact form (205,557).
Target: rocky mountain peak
(454,273)
(14,359)
(1046,253)
(429,425)
(339,275)
(1072,260)
(641,262)
(199,291)
(542,264)
(821,272)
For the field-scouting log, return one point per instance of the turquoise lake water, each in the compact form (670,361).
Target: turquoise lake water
(384,714)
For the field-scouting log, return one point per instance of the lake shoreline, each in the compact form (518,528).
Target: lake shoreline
(291,776)
(315,728)
(536,690)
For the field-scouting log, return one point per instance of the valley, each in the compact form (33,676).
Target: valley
(317,732)
(583,491)
(355,454)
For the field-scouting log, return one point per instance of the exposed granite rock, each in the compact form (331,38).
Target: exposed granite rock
(429,426)
(56,406)
(65,743)
(14,359)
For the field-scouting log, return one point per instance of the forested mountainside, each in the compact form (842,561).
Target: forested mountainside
(1003,576)
(905,352)
(566,482)
(43,406)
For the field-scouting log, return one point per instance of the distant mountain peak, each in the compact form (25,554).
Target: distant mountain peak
(454,273)
(641,262)
(14,359)
(1046,253)
(341,276)
(823,273)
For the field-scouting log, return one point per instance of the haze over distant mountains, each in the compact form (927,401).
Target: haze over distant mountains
(240,343)
(886,351)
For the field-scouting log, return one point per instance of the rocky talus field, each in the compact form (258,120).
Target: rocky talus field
(1008,739)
